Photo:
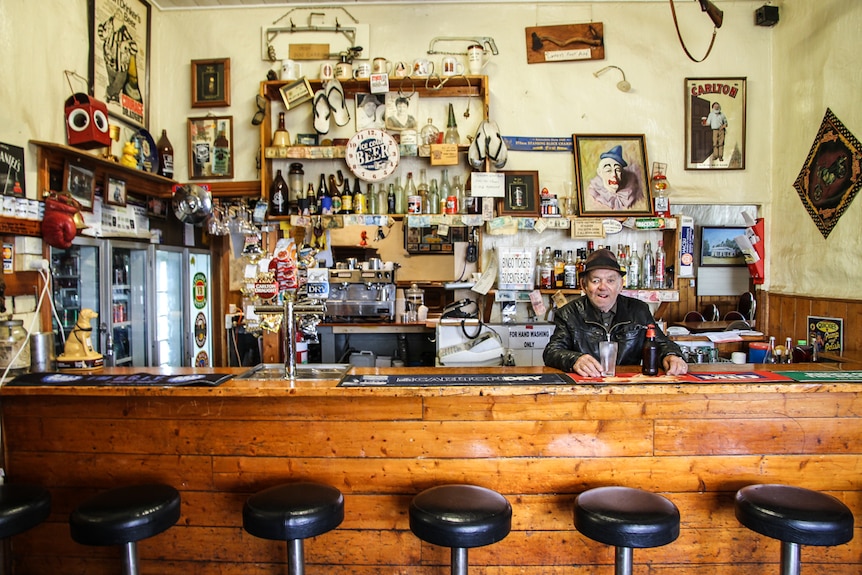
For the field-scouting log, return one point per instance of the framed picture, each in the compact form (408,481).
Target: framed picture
(114,191)
(611,173)
(12,171)
(428,240)
(401,111)
(210,147)
(828,333)
(157,208)
(718,247)
(296,93)
(119,63)
(81,183)
(520,195)
(831,175)
(211,83)
(714,123)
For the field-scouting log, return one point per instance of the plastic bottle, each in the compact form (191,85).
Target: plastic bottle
(650,353)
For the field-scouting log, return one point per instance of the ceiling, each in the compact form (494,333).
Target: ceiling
(215,4)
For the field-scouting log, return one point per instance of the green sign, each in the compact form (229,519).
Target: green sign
(823,376)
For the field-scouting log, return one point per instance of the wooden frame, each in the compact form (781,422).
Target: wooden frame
(114,192)
(211,83)
(296,93)
(121,27)
(602,159)
(715,123)
(718,247)
(521,194)
(81,183)
(210,147)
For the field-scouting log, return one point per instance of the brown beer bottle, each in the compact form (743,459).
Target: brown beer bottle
(166,156)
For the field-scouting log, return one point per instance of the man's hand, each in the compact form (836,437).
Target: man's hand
(587,366)
(674,365)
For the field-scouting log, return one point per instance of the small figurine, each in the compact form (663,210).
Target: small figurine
(363,238)
(130,155)
(79,353)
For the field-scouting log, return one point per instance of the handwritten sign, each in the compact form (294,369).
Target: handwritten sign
(588,228)
(487,184)
(517,268)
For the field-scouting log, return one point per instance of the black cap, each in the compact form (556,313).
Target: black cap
(603,260)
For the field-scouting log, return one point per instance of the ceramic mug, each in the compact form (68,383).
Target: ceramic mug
(290,70)
(381,66)
(362,71)
(475,59)
(326,71)
(401,69)
(451,66)
(344,71)
(422,67)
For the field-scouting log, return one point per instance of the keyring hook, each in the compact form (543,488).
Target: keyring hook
(412,87)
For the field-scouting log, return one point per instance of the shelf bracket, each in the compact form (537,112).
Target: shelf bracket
(485,41)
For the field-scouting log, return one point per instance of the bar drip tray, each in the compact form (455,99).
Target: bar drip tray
(270,371)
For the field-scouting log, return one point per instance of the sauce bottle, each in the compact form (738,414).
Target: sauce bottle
(650,353)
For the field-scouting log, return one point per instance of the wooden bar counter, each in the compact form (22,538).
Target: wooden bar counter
(538,445)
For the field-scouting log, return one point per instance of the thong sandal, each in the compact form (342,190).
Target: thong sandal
(337,103)
(321,112)
(478,149)
(497,151)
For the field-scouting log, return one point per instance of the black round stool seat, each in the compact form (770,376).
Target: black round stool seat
(125,514)
(293,511)
(794,514)
(22,507)
(626,517)
(460,516)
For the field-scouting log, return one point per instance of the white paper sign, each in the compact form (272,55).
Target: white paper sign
(487,184)
(517,268)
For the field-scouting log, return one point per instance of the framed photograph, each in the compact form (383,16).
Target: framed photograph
(520,195)
(718,247)
(428,241)
(611,173)
(114,191)
(210,147)
(81,183)
(831,175)
(119,63)
(211,83)
(296,93)
(714,123)
(401,111)
(157,208)
(370,111)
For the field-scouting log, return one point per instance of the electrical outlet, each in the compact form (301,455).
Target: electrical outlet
(472,253)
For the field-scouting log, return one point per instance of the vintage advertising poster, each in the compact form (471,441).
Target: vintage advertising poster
(119,57)
(11,170)
(828,333)
(715,123)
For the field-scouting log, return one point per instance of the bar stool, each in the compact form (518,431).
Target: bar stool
(22,507)
(292,513)
(460,517)
(626,518)
(795,516)
(124,516)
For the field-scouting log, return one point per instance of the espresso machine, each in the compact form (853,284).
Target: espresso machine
(359,295)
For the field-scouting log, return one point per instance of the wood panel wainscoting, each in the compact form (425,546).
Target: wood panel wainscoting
(785,316)
(537,445)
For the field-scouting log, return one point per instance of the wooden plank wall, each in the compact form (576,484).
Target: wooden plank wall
(785,316)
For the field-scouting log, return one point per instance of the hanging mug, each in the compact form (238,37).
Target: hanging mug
(326,71)
(362,71)
(475,59)
(451,66)
(344,71)
(381,66)
(290,70)
(400,69)
(422,67)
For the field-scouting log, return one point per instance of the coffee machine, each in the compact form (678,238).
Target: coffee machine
(358,295)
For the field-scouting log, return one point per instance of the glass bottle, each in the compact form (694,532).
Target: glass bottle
(622,259)
(371,199)
(634,270)
(570,272)
(647,267)
(414,200)
(400,198)
(281,137)
(221,153)
(660,266)
(434,197)
(334,197)
(660,199)
(166,156)
(559,269)
(650,363)
(428,134)
(382,199)
(422,186)
(812,339)
(445,187)
(788,350)
(546,270)
(14,346)
(322,195)
(770,351)
(458,194)
(278,195)
(451,136)
(360,202)
(306,201)
(296,184)
(346,198)
(391,200)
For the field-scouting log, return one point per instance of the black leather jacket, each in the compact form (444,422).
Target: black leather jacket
(579,330)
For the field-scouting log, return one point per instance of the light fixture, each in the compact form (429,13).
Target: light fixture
(714,13)
(622,85)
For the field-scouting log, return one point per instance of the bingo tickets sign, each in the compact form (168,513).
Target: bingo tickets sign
(517,268)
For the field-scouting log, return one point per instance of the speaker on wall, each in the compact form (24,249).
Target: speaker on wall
(766,16)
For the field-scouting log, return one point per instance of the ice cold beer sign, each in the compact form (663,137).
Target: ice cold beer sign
(372,155)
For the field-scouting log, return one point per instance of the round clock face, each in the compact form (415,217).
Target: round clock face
(372,155)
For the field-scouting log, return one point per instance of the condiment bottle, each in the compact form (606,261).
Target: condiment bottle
(650,353)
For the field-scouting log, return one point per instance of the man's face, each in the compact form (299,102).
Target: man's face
(602,288)
(610,171)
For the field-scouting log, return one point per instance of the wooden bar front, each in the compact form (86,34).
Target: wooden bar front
(538,445)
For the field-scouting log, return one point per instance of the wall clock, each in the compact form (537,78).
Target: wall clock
(372,155)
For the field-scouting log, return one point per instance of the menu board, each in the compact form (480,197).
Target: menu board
(828,331)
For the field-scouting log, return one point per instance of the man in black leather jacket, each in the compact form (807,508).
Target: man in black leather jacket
(602,314)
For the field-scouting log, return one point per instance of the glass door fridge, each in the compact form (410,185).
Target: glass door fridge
(129,265)
(77,275)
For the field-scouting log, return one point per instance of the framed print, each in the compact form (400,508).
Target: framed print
(114,191)
(828,333)
(428,240)
(714,123)
(12,171)
(120,58)
(611,175)
(211,83)
(718,247)
(296,93)
(210,147)
(401,111)
(520,195)
(831,175)
(81,183)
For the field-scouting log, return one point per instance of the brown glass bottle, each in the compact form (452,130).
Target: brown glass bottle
(278,196)
(166,156)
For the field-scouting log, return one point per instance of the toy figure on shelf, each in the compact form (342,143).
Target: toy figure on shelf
(363,238)
(130,155)
(79,354)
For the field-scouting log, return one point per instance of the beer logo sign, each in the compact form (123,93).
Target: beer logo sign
(199,290)
(265,287)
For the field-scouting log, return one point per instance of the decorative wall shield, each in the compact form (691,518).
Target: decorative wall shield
(831,175)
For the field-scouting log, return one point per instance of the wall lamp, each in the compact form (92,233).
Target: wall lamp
(714,13)
(622,85)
